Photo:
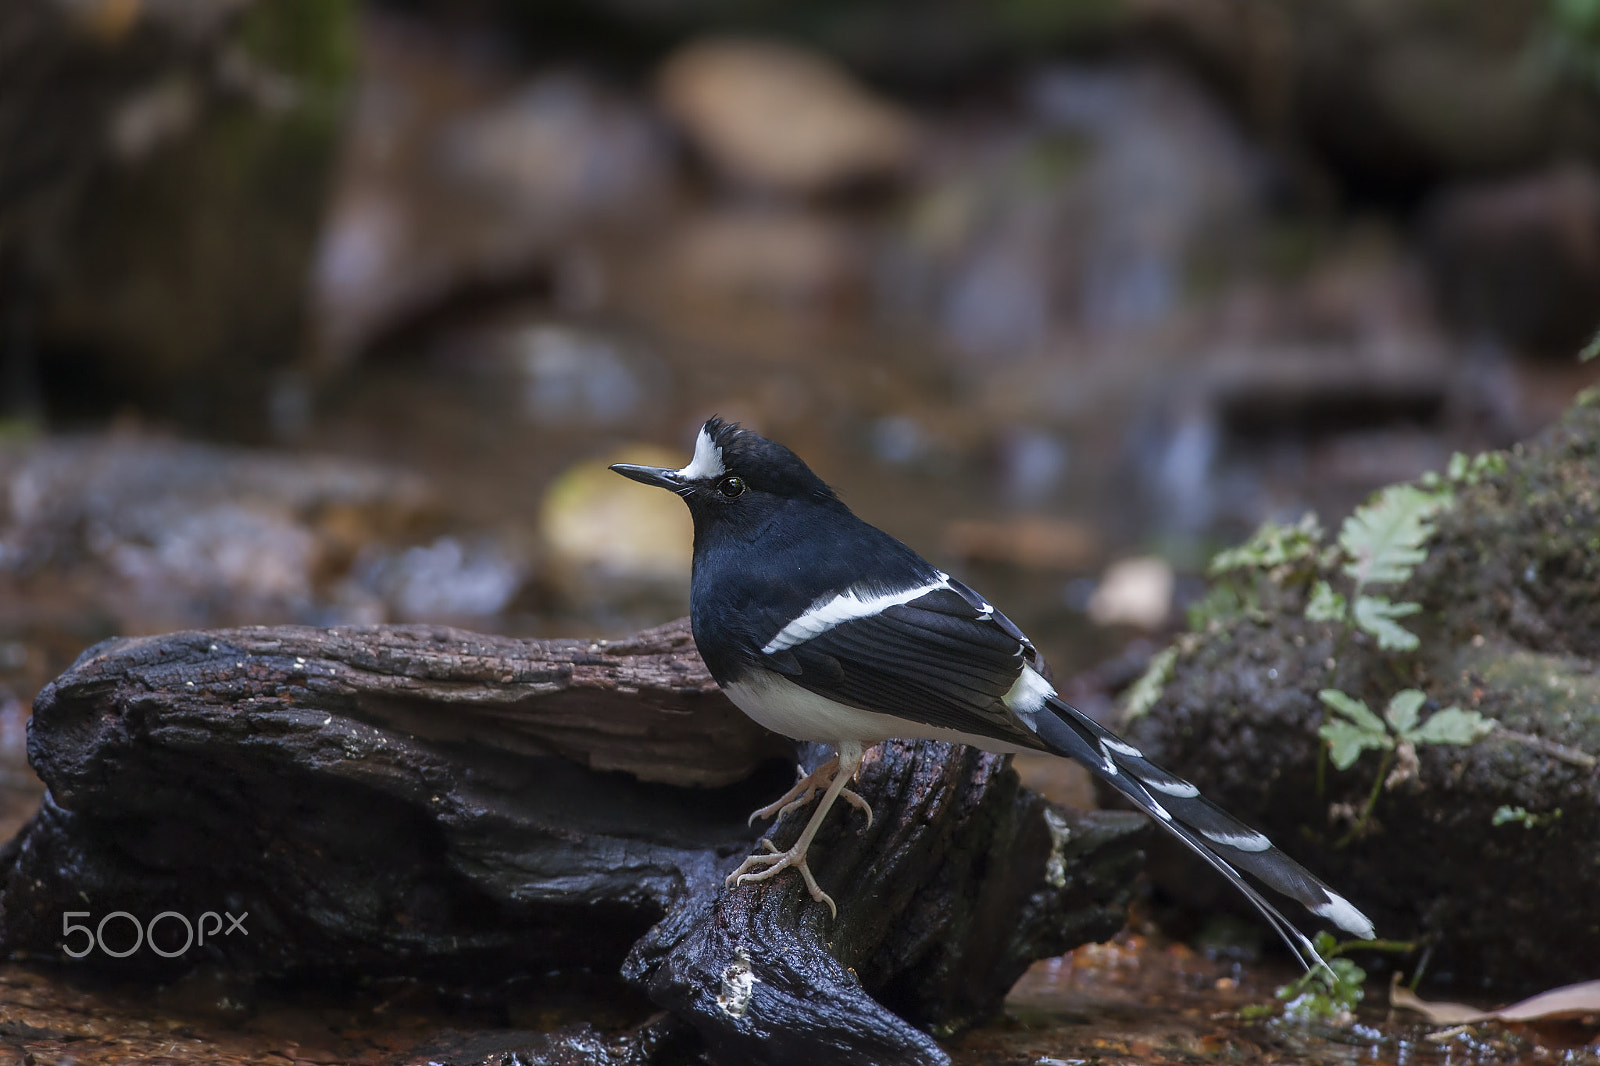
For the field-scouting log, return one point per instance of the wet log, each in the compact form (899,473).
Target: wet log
(767,976)
(429,802)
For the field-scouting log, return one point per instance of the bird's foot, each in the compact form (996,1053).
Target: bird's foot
(776,861)
(805,788)
(761,867)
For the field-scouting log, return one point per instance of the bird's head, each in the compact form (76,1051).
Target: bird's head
(736,476)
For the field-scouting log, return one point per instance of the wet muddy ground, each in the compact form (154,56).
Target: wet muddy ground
(1133,1001)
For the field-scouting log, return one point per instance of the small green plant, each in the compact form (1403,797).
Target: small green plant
(1382,543)
(1332,992)
(1351,586)
(1566,45)
(1397,734)
(1377,551)
(1360,729)
(1325,604)
(1465,471)
(1220,603)
(1272,546)
(1143,693)
(1247,578)
(1325,993)
(1506,815)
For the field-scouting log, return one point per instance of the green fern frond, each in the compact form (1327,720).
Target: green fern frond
(1383,539)
(1376,615)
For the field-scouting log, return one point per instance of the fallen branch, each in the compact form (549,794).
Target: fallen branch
(429,802)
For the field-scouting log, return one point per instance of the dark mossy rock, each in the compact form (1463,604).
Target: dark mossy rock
(1489,852)
(169,165)
(472,810)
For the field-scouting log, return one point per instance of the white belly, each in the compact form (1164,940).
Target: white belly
(784,707)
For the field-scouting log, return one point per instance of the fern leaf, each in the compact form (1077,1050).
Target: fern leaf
(1347,741)
(1384,538)
(1454,726)
(1325,605)
(1402,710)
(1271,546)
(1376,615)
(1145,692)
(1353,709)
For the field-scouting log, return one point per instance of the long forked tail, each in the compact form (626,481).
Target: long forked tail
(1216,836)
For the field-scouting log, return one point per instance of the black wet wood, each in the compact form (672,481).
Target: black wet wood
(963,878)
(430,802)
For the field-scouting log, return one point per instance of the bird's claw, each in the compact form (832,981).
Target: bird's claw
(830,778)
(776,861)
(859,804)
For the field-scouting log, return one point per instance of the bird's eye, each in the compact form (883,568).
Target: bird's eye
(731,487)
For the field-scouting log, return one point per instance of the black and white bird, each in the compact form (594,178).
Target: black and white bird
(824,628)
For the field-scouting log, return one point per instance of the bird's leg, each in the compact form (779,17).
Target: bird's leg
(798,796)
(807,787)
(774,861)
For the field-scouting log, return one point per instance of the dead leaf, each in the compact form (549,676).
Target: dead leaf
(1581,998)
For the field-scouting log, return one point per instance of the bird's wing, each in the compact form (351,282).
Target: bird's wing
(944,658)
(947,658)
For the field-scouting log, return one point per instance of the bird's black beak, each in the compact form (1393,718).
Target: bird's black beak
(662,476)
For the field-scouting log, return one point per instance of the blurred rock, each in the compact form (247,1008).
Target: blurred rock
(900,440)
(458,179)
(776,258)
(1519,259)
(166,264)
(157,533)
(448,580)
(1273,408)
(1134,592)
(1168,177)
(779,118)
(560,146)
(562,375)
(1395,97)
(54,116)
(531,378)
(1082,219)
(573,376)
(1032,463)
(612,539)
(1032,542)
